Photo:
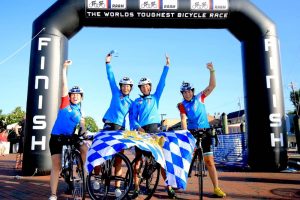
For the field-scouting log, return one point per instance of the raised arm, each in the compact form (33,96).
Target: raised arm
(212,79)
(162,80)
(64,88)
(110,74)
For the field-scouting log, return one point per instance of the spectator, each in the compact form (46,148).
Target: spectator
(3,140)
(20,129)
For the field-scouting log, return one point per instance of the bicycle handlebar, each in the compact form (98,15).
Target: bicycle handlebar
(202,133)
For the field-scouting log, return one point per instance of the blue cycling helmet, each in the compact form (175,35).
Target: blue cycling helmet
(76,90)
(186,86)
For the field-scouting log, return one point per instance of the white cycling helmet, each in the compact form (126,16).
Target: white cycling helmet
(126,81)
(186,86)
(144,81)
(76,90)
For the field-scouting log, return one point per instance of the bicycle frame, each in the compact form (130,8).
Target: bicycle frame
(74,177)
(199,160)
(148,171)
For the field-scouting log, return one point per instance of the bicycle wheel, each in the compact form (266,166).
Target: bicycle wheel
(199,171)
(148,173)
(101,182)
(77,179)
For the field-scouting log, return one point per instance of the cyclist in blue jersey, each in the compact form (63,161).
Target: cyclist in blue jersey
(193,117)
(120,105)
(69,116)
(145,116)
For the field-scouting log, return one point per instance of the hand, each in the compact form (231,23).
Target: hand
(210,66)
(108,58)
(141,130)
(167,60)
(82,122)
(67,62)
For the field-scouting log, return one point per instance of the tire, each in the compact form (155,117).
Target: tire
(199,169)
(77,178)
(149,172)
(101,184)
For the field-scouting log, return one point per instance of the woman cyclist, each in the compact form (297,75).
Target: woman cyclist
(120,105)
(145,117)
(193,117)
(69,116)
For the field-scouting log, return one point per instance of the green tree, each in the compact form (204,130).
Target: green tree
(294,97)
(15,116)
(90,124)
(2,120)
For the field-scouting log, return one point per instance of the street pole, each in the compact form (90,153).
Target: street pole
(162,121)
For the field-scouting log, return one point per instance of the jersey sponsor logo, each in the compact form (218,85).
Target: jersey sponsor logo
(140,101)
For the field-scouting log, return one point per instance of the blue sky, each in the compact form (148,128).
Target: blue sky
(141,53)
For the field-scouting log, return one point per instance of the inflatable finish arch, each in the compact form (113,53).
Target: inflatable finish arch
(267,140)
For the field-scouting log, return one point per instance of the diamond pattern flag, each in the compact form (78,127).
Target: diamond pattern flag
(175,156)
(108,143)
(178,152)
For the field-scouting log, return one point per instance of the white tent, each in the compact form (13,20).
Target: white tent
(12,126)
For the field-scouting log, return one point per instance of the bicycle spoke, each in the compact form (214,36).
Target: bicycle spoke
(148,173)
(103,184)
(77,177)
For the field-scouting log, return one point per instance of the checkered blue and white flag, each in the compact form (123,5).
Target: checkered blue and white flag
(108,143)
(175,156)
(178,151)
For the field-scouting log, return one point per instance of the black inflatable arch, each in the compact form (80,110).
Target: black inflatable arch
(267,140)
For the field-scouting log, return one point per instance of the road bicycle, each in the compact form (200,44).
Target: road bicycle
(148,173)
(72,165)
(197,163)
(101,181)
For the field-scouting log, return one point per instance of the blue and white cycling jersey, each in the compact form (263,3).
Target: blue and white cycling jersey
(195,112)
(68,117)
(145,108)
(120,105)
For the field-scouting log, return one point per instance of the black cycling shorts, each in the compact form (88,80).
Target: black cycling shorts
(206,143)
(112,127)
(151,128)
(56,143)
